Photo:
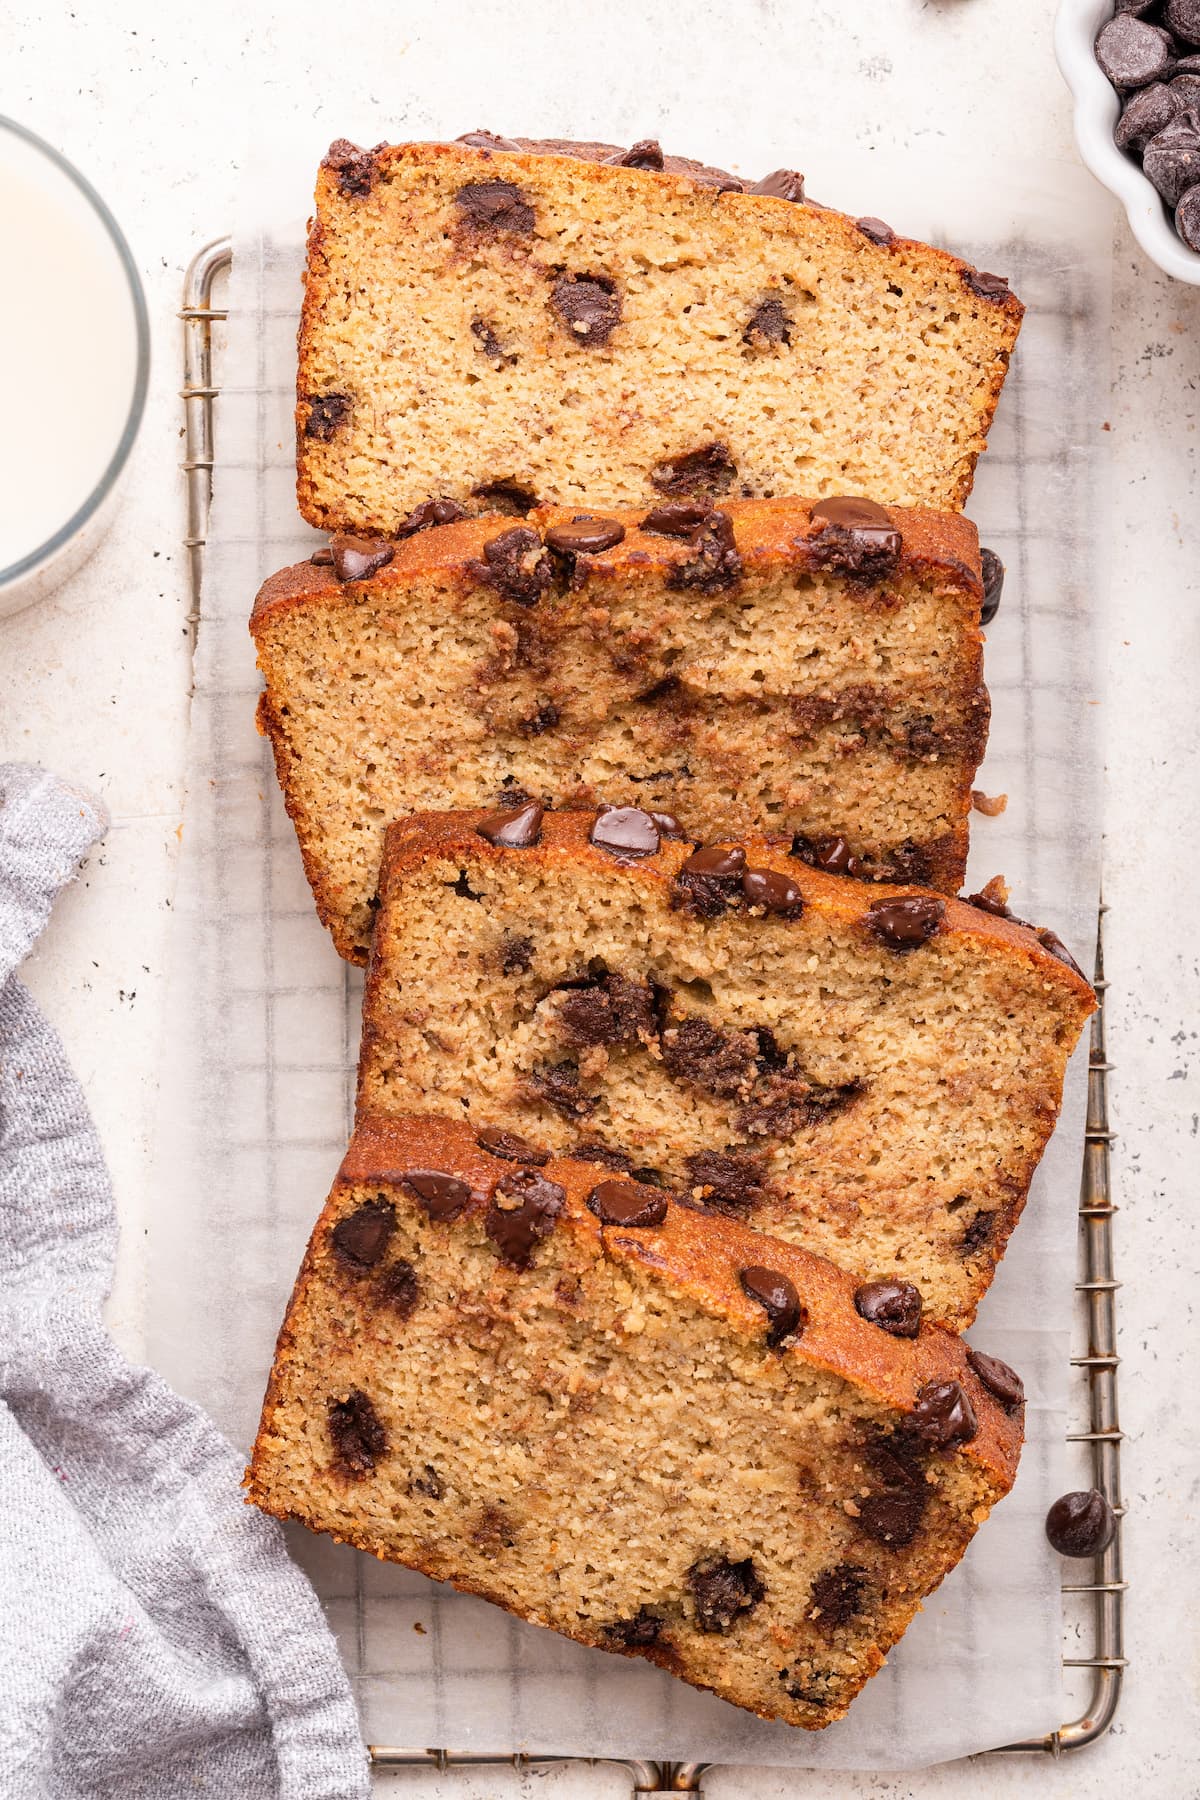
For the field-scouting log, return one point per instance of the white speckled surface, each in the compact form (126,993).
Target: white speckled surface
(153,102)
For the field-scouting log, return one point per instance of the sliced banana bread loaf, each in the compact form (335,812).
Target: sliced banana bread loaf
(647,1427)
(511,322)
(772,665)
(872,1073)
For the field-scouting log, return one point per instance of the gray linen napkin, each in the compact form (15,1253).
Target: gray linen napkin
(155,1639)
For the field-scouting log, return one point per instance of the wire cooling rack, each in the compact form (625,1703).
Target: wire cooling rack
(1094,1609)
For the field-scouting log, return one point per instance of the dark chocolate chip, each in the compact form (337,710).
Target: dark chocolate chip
(399,1288)
(723,1590)
(999,1380)
(462,887)
(495,206)
(584,536)
(506,497)
(831,854)
(636,1633)
(1172,158)
(489,343)
(1187,217)
(720,1062)
(1139,8)
(708,880)
(1185,91)
(359,1439)
(678,518)
(559,1087)
(488,140)
(1050,940)
(668,825)
(989,903)
(611,1011)
(1133,52)
(720,862)
(587,1150)
(978,1233)
(326,414)
(708,470)
(777,1296)
(895,1306)
(726,1181)
(626,830)
(836,1596)
(1144,115)
(774,892)
(354,167)
(715,563)
(768,324)
(986,285)
(355,558)
(522,1212)
(780,184)
(892,1518)
(944,1415)
(1183,18)
(442,1196)
(645,154)
(430,512)
(517,565)
(360,1239)
(510,1147)
(589,306)
(518,829)
(905,924)
(428,1482)
(624,1203)
(857,537)
(516,957)
(322,558)
(876,230)
(1081,1524)
(544,719)
(992,570)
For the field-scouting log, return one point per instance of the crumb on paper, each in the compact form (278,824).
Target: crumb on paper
(417,1626)
(991,805)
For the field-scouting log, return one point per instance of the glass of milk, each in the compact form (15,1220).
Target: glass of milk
(74,362)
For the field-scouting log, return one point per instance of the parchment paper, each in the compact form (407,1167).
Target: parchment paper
(258,1072)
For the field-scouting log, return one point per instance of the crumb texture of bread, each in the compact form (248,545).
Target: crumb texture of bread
(762,672)
(601,1428)
(478,323)
(871,1072)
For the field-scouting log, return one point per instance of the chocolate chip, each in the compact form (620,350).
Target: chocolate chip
(1183,18)
(517,565)
(780,184)
(326,414)
(322,558)
(986,285)
(430,512)
(544,719)
(399,1288)
(678,518)
(856,537)
(611,1011)
(999,1380)
(428,1482)
(489,343)
(645,154)
(518,829)
(978,1233)
(944,1415)
(360,1239)
(993,902)
(905,924)
(715,563)
(589,306)
(836,1596)
(992,570)
(723,1590)
(894,1518)
(355,558)
(510,1147)
(355,168)
(506,497)
(1187,218)
(623,1203)
(587,1150)
(1050,940)
(726,1181)
(636,1633)
(359,1439)
(462,887)
(708,879)
(488,140)
(522,1212)
(831,854)
(495,206)
(1132,52)
(559,1087)
(1144,115)
(708,470)
(895,1306)
(626,830)
(584,536)
(668,825)
(768,324)
(1138,7)
(1172,158)
(1081,1524)
(516,954)
(442,1196)
(1185,91)
(720,1062)
(876,230)
(777,1296)
(774,892)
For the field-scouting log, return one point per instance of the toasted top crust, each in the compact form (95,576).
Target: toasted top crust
(565,837)
(768,534)
(702,1255)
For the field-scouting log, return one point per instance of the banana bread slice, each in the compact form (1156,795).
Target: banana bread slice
(872,1073)
(647,1427)
(516,322)
(766,666)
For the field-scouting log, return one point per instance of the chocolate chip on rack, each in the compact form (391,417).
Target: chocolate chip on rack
(993,585)
(1081,1524)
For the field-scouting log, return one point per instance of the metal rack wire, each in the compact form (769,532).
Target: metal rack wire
(1102,1597)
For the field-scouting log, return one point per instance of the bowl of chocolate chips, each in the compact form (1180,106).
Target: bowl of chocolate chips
(1134,69)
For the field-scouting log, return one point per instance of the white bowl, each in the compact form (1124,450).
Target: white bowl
(1097,108)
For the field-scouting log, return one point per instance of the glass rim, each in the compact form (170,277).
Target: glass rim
(137,405)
